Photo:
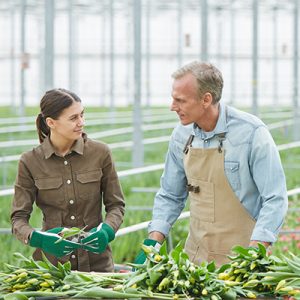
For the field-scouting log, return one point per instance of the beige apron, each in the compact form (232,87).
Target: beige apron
(218,220)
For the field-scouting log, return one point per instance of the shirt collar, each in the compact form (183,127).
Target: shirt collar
(49,149)
(221,126)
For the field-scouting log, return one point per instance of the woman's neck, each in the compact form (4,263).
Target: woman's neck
(61,146)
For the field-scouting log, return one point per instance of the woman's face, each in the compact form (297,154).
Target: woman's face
(69,125)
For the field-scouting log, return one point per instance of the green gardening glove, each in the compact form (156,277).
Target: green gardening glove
(98,238)
(55,230)
(141,257)
(47,241)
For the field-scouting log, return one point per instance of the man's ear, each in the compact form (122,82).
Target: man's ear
(50,122)
(207,99)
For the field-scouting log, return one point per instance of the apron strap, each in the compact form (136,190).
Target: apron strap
(221,137)
(188,143)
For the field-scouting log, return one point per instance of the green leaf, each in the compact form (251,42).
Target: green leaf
(276,259)
(67,266)
(179,247)
(42,265)
(61,268)
(137,266)
(293,265)
(136,279)
(262,249)
(98,292)
(163,249)
(29,294)
(77,277)
(50,266)
(10,267)
(15,296)
(264,261)
(154,276)
(241,250)
(175,255)
(70,232)
(211,267)
(223,268)
(229,295)
(21,257)
(184,256)
(295,258)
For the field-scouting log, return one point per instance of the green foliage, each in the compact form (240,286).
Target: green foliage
(250,273)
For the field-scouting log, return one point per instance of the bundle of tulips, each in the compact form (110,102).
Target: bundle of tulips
(251,273)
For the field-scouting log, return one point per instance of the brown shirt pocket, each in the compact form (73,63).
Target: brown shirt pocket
(50,190)
(89,182)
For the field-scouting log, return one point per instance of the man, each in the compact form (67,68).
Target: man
(226,161)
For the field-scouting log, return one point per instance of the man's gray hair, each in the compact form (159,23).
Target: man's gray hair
(209,78)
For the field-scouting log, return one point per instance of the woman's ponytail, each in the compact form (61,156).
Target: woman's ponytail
(42,128)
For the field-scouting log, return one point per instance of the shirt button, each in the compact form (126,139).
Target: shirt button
(73,256)
(68,181)
(71,201)
(72,217)
(65,162)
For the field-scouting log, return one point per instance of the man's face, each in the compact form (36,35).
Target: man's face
(186,102)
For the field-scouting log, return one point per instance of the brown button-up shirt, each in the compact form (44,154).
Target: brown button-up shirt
(70,191)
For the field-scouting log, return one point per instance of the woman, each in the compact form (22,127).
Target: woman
(70,178)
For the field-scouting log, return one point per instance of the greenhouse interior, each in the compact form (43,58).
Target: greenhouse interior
(150,149)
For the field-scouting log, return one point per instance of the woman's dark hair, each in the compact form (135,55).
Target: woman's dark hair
(52,105)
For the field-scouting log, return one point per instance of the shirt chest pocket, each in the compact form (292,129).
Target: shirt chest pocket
(89,182)
(50,190)
(232,174)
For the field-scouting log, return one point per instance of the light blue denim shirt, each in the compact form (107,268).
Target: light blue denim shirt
(252,166)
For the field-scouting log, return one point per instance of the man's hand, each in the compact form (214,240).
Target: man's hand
(141,257)
(49,242)
(98,238)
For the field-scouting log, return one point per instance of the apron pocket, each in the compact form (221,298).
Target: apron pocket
(218,258)
(202,203)
(196,252)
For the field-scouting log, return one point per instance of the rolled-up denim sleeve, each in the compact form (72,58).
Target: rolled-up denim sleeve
(171,197)
(269,177)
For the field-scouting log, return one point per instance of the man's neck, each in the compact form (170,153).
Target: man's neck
(210,119)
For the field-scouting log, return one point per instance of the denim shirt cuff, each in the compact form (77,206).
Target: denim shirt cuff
(160,226)
(263,235)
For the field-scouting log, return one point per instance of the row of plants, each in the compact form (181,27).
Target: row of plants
(251,273)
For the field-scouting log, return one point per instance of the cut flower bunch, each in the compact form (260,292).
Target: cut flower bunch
(251,273)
